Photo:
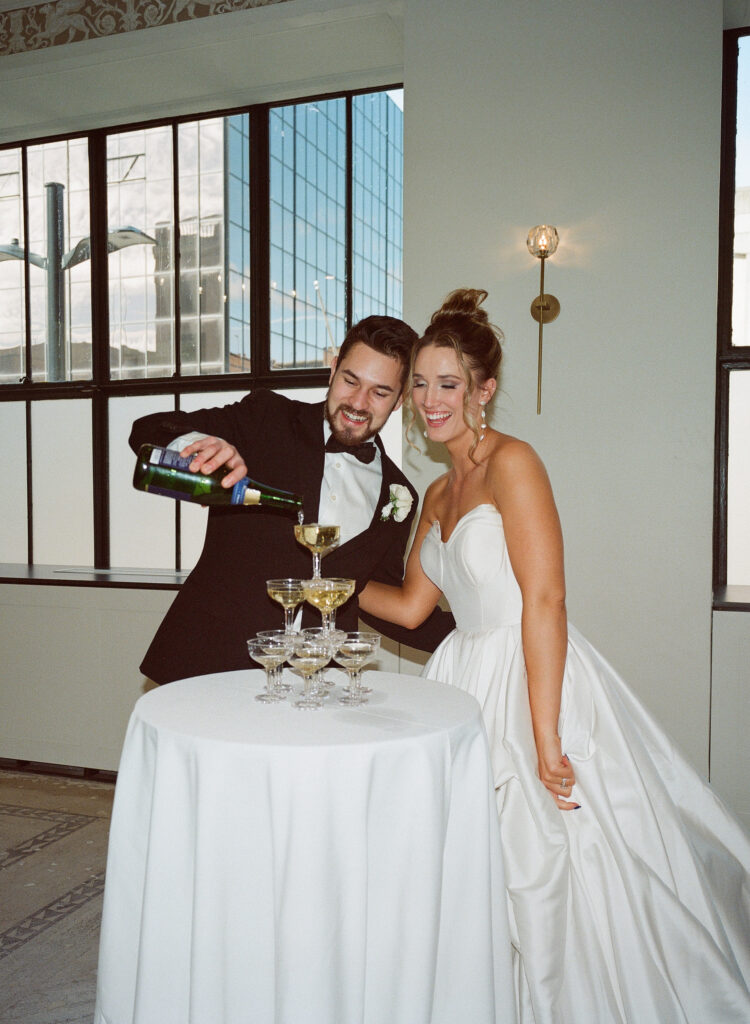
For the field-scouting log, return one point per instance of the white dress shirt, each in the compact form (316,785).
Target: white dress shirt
(349,491)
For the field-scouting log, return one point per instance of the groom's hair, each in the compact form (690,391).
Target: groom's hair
(385,334)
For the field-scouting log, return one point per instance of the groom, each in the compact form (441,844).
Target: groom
(331,454)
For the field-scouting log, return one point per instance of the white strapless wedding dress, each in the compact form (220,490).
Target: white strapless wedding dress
(634,909)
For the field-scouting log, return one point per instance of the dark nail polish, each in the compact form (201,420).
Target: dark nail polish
(577,807)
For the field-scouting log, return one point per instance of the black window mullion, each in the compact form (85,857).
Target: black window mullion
(260,243)
(176,255)
(27,355)
(348,284)
(100,357)
(26,271)
(29,489)
(176,248)
(729,357)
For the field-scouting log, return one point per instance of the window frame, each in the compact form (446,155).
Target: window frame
(729,357)
(101,387)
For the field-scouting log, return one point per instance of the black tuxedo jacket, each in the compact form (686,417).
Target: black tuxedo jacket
(223,602)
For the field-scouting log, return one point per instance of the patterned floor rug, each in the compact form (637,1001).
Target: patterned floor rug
(53,848)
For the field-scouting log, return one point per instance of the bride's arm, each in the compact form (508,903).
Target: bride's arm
(411,603)
(535,547)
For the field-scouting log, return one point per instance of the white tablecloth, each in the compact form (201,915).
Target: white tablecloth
(275,866)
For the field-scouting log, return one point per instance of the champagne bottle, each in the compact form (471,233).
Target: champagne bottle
(162,471)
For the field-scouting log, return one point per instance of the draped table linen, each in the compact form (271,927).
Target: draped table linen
(277,866)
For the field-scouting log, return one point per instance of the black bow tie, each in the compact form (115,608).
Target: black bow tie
(364,452)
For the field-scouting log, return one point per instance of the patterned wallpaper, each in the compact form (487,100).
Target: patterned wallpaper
(69,21)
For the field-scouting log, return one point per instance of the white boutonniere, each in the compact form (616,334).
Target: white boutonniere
(399,504)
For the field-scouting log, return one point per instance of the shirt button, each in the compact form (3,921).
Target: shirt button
(333,497)
(338,465)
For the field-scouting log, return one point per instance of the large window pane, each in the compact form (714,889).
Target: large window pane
(741,268)
(142,526)
(194,517)
(377,223)
(235,292)
(738,476)
(62,482)
(12,308)
(141,268)
(214,183)
(203,194)
(13,536)
(60,260)
(308,232)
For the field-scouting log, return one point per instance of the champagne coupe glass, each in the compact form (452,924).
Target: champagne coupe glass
(331,638)
(353,654)
(307,657)
(270,653)
(327,595)
(289,594)
(279,636)
(318,538)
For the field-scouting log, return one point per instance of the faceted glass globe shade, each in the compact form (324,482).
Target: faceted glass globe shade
(542,240)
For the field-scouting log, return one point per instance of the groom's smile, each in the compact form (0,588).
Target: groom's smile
(365,388)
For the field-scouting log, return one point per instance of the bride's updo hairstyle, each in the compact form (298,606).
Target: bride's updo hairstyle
(461,324)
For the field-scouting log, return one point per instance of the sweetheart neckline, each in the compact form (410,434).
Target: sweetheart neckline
(460,520)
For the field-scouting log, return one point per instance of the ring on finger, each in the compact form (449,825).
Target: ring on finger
(564,783)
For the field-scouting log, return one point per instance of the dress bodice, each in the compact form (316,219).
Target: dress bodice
(473,570)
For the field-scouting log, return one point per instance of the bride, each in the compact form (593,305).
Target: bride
(628,884)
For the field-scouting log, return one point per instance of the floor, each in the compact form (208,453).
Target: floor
(53,848)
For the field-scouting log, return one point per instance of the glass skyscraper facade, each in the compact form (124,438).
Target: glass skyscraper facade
(308,203)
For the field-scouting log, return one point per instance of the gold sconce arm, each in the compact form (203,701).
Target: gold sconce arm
(542,242)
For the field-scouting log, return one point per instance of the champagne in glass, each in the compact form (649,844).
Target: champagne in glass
(327,595)
(307,657)
(270,654)
(290,595)
(353,654)
(331,638)
(319,539)
(279,636)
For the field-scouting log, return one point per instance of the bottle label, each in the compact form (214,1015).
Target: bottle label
(168,457)
(238,492)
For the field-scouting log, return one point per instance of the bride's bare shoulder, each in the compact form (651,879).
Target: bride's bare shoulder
(511,457)
(508,448)
(434,493)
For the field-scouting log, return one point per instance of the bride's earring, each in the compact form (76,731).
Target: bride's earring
(483,426)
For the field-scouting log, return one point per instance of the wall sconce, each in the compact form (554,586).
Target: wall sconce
(542,243)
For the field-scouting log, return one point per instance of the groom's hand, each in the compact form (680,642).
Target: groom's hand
(208,453)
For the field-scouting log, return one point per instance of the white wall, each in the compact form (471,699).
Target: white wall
(599,116)
(69,671)
(602,118)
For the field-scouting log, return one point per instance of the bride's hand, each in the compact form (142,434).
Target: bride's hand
(554,770)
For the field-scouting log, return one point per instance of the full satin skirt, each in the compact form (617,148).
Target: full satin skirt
(634,909)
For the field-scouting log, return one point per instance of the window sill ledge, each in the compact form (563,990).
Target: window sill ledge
(731,599)
(74,576)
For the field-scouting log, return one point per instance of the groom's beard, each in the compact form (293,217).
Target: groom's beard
(349,434)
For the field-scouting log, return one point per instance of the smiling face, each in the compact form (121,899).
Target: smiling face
(365,388)
(439,394)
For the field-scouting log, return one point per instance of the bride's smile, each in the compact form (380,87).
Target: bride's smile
(438,389)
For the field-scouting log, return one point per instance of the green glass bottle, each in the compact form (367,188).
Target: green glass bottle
(162,471)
